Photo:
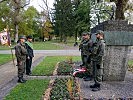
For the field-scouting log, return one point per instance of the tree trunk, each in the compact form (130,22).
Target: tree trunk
(16,33)
(120,9)
(61,38)
(65,39)
(76,35)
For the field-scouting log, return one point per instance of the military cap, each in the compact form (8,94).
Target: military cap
(86,33)
(29,37)
(22,37)
(99,32)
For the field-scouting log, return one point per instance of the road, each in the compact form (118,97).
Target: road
(73,52)
(49,52)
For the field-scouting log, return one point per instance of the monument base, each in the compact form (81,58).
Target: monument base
(116,63)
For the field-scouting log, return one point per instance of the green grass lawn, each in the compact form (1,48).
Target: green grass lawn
(47,66)
(4,58)
(3,47)
(31,90)
(70,41)
(48,45)
(130,62)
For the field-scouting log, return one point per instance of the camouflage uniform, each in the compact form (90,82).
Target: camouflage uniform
(97,60)
(21,52)
(85,46)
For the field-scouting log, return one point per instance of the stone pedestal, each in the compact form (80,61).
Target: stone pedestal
(115,63)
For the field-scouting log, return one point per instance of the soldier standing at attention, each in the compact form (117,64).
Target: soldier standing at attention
(30,55)
(97,60)
(85,46)
(21,52)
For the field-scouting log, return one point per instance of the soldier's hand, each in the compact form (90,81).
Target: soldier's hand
(20,63)
(28,57)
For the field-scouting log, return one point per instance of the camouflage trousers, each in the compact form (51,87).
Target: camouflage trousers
(87,63)
(97,72)
(21,69)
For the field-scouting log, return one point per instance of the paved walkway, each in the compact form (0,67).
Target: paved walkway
(49,52)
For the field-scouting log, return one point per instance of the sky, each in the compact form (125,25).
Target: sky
(36,4)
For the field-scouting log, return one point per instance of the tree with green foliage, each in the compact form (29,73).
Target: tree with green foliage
(16,8)
(71,18)
(5,15)
(28,25)
(20,20)
(120,9)
(63,19)
(100,12)
(82,16)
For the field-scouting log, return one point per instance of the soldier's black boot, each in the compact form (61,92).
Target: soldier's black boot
(93,86)
(24,79)
(21,80)
(96,88)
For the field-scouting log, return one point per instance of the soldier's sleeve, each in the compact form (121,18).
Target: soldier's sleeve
(102,50)
(90,47)
(80,45)
(27,48)
(18,53)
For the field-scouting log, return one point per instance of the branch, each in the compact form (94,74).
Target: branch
(93,22)
(42,7)
(47,8)
(2,1)
(18,4)
(27,3)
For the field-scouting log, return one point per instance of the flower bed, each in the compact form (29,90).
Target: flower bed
(64,68)
(65,89)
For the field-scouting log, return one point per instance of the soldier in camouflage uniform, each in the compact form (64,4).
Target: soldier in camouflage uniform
(97,60)
(85,47)
(21,52)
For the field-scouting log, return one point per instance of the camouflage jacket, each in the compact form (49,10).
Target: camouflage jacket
(20,52)
(85,47)
(98,50)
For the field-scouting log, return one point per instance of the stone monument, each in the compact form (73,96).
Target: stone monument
(119,39)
